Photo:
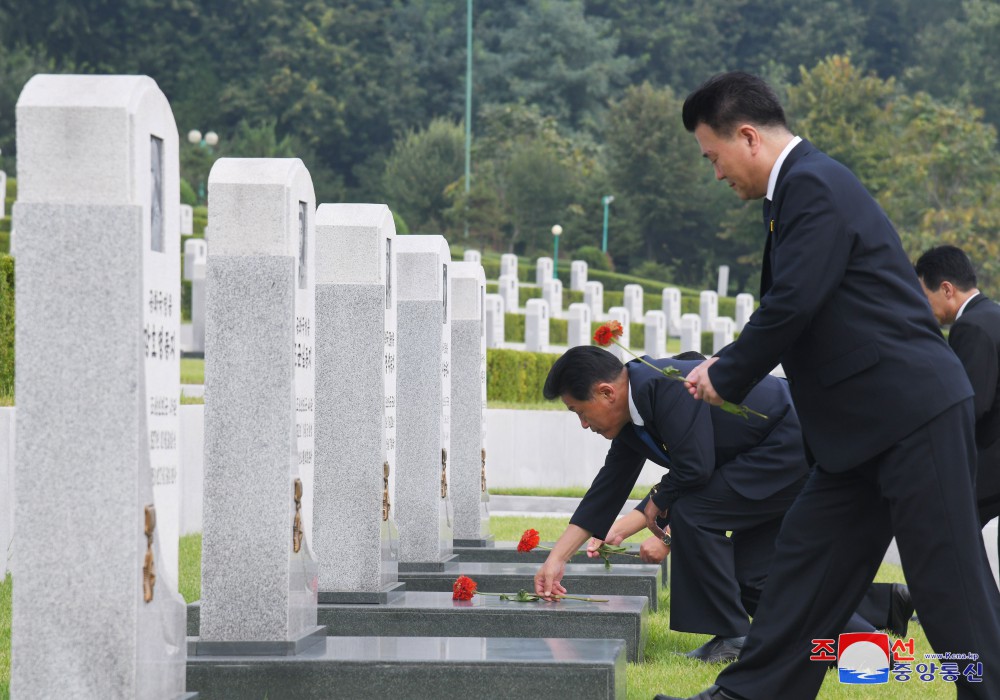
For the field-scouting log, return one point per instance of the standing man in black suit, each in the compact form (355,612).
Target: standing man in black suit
(885,406)
(949,281)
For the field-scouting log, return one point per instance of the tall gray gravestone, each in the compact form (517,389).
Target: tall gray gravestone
(194,249)
(187,219)
(470,497)
(543,270)
(96,610)
(632,300)
(508,265)
(3,194)
(690,333)
(655,334)
(357,354)
(672,310)
(577,275)
(708,303)
(593,296)
(552,293)
(578,325)
(744,309)
(495,322)
(723,288)
(507,288)
(536,325)
(473,256)
(622,315)
(258,577)
(423,409)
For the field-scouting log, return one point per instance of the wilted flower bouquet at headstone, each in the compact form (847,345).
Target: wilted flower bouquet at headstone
(465,588)
(531,538)
(608,333)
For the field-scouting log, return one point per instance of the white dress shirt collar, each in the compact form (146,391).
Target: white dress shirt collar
(633,411)
(773,179)
(961,308)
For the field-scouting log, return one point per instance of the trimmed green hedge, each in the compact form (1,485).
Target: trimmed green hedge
(6,325)
(517,377)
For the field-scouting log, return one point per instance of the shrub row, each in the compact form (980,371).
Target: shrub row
(517,377)
(6,324)
(513,332)
(690,302)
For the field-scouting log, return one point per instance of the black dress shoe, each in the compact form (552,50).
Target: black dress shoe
(713,693)
(900,609)
(718,649)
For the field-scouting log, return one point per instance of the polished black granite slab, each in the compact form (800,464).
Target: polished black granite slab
(579,579)
(437,615)
(465,668)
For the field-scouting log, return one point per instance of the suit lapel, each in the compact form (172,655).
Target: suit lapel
(771,224)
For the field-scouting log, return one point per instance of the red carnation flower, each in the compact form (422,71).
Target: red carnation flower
(529,540)
(464,588)
(606,334)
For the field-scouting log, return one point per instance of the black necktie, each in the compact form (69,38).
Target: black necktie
(658,450)
(767,210)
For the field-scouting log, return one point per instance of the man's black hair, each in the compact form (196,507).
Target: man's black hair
(578,370)
(946,263)
(727,100)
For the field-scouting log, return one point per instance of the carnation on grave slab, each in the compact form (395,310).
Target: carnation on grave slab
(529,540)
(464,588)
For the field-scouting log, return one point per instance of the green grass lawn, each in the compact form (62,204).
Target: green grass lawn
(663,670)
(192,370)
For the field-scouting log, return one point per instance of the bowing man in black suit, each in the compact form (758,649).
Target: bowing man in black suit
(949,281)
(725,473)
(885,406)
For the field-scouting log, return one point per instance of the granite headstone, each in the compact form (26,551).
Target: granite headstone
(258,577)
(96,611)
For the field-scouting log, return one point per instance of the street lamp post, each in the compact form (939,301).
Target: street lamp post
(556,232)
(606,200)
(207,142)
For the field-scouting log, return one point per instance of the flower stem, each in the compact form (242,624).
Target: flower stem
(727,406)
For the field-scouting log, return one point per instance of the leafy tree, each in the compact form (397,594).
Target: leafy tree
(556,58)
(422,164)
(664,193)
(958,57)
(844,111)
(527,176)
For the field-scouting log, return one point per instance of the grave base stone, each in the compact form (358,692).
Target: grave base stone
(449,564)
(390,592)
(436,615)
(475,543)
(436,667)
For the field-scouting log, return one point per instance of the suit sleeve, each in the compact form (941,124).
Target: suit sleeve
(978,354)
(686,426)
(609,491)
(811,250)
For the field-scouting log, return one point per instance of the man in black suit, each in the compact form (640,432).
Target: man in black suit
(885,406)
(949,282)
(726,473)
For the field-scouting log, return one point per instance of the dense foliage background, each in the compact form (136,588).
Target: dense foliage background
(573,100)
